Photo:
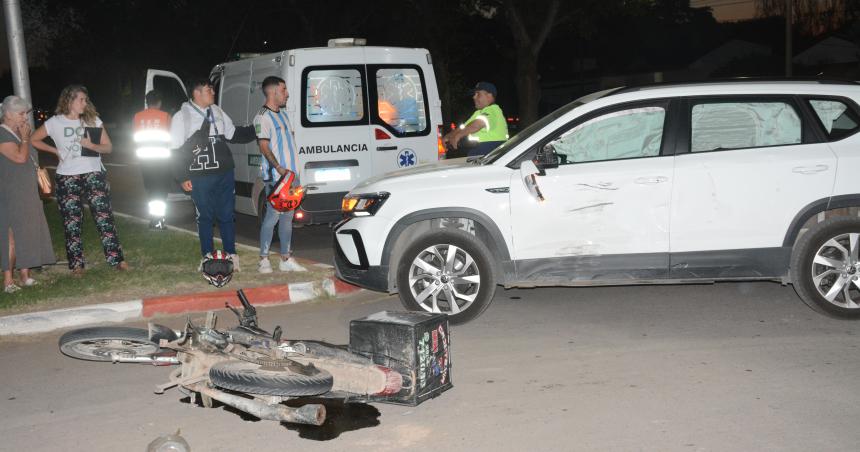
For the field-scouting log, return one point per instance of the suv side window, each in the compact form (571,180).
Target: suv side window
(723,125)
(624,134)
(838,120)
(400,100)
(333,96)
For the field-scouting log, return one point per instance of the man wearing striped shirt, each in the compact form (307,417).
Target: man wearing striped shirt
(276,141)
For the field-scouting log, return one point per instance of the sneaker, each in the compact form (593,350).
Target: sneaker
(265,266)
(290,265)
(235,259)
(30,282)
(11,288)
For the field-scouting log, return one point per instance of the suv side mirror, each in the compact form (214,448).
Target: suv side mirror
(546,158)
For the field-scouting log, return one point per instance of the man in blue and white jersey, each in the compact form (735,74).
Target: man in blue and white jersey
(276,141)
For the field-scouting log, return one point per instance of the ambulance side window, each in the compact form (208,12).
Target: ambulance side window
(333,96)
(399,99)
(172,95)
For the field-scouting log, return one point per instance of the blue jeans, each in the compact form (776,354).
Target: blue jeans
(214,197)
(285,228)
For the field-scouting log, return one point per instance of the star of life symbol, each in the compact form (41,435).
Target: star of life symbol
(406,158)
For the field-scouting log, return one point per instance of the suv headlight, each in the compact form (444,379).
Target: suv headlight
(363,205)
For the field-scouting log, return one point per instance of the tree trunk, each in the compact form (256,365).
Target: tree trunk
(528,87)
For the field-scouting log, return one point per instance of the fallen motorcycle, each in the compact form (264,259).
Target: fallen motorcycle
(392,357)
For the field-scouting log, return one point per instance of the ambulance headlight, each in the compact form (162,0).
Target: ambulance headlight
(363,205)
(157,209)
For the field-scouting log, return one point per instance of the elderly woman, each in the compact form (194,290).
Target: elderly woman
(24,238)
(81,177)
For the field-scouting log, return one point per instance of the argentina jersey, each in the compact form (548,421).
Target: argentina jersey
(274,126)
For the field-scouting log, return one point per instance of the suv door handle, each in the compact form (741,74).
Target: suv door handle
(809,169)
(386,148)
(651,180)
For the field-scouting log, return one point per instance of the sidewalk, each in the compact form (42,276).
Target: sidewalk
(40,322)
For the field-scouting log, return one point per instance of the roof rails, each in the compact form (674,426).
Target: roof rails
(347,42)
(630,89)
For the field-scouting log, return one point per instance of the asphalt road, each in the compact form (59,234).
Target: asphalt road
(674,368)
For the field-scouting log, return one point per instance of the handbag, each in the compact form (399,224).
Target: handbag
(43,178)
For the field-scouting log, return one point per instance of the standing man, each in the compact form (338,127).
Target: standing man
(487,124)
(199,132)
(152,146)
(276,141)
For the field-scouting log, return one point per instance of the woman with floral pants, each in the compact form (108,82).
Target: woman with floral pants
(80,174)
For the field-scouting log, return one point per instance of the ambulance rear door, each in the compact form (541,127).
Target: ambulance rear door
(170,86)
(234,83)
(405,111)
(332,129)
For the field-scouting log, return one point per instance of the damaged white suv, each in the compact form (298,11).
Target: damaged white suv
(723,181)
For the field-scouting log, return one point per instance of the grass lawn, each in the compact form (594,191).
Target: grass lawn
(162,263)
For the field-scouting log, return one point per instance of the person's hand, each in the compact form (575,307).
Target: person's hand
(86,143)
(453,140)
(282,171)
(24,131)
(186,185)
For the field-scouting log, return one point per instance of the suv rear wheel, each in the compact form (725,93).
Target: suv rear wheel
(447,272)
(825,267)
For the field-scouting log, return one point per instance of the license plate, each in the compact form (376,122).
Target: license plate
(331,174)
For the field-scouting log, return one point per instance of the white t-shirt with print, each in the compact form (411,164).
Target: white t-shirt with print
(67,134)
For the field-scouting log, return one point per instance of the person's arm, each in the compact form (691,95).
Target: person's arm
(104,147)
(263,143)
(453,138)
(38,138)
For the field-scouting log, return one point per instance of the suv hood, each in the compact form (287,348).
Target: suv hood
(442,166)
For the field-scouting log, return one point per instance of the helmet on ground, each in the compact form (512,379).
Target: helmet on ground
(217,268)
(284,196)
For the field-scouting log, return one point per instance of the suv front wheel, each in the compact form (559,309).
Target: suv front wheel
(447,272)
(825,267)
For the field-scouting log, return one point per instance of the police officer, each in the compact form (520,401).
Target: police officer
(486,126)
(152,146)
(199,132)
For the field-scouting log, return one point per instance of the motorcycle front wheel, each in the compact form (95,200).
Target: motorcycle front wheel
(103,343)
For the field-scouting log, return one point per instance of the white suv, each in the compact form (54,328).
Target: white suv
(661,184)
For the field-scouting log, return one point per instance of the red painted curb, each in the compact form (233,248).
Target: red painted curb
(208,301)
(343,287)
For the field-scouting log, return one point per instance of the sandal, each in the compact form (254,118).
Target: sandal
(11,288)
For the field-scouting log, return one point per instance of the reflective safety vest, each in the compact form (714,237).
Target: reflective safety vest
(495,128)
(152,134)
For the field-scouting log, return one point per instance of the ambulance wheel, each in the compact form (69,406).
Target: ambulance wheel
(261,208)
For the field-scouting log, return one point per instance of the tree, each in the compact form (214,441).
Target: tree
(813,16)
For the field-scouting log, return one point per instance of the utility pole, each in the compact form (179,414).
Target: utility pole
(17,50)
(788,36)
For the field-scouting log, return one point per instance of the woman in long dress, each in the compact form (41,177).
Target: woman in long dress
(25,241)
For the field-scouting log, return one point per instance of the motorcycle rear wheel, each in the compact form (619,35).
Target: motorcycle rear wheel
(251,378)
(101,343)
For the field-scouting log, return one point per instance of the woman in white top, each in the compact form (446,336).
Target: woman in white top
(80,141)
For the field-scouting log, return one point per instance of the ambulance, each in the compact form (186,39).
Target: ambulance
(357,111)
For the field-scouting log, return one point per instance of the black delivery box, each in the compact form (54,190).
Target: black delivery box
(416,344)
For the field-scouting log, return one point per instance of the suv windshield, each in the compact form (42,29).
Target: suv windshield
(503,149)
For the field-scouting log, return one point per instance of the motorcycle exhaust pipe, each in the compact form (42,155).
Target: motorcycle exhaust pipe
(311,414)
(154,360)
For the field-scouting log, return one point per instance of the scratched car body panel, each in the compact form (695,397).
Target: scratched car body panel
(657,184)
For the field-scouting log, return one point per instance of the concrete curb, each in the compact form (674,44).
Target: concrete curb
(41,322)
